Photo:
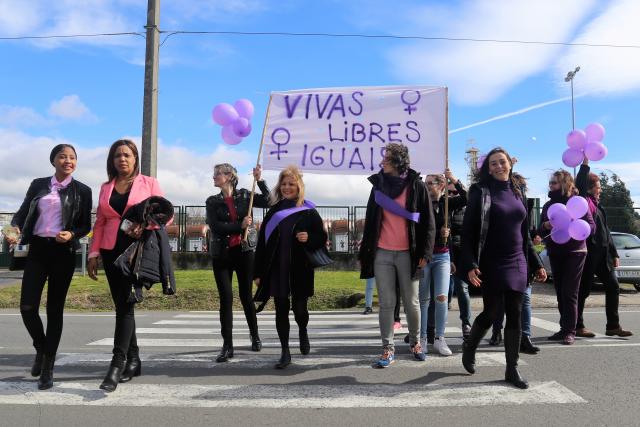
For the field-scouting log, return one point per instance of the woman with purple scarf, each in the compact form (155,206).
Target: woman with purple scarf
(602,258)
(291,228)
(567,260)
(397,242)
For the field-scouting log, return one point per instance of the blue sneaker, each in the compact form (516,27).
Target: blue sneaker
(387,358)
(418,354)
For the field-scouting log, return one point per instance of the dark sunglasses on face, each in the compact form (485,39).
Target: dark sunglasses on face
(553,182)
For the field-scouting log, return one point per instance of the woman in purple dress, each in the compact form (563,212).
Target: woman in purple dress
(496,250)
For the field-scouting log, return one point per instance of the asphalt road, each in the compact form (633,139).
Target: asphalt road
(593,382)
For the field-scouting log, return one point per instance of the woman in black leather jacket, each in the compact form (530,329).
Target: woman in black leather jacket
(228,216)
(55,213)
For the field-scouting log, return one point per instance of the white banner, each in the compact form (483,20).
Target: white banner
(345,130)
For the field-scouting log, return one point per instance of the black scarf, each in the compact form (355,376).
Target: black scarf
(557,196)
(391,185)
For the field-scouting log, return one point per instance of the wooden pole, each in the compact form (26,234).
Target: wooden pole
(253,187)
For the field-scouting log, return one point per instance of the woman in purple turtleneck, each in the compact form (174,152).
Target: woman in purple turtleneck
(496,252)
(567,260)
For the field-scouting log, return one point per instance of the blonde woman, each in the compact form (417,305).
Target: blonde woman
(290,228)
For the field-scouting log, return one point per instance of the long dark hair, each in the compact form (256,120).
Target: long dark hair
(482,176)
(112,172)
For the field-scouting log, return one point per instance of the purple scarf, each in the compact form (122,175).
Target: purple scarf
(390,205)
(280,215)
(593,205)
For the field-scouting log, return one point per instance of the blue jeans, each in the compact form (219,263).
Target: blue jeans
(464,301)
(368,292)
(436,272)
(526,314)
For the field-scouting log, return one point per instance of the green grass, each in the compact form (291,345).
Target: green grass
(196,290)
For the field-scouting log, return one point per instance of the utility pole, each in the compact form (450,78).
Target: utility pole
(149,162)
(569,78)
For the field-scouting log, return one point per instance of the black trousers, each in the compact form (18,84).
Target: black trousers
(567,271)
(492,309)
(242,264)
(300,313)
(596,265)
(125,343)
(55,263)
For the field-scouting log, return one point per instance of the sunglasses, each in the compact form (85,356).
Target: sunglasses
(432,183)
(553,182)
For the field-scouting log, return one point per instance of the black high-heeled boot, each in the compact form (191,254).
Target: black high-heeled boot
(133,368)
(511,351)
(305,345)
(496,337)
(285,359)
(256,344)
(526,346)
(45,381)
(112,378)
(225,354)
(36,368)
(470,345)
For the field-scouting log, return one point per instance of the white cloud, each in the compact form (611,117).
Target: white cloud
(70,107)
(478,73)
(17,116)
(606,70)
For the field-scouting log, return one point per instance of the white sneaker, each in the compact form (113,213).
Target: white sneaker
(440,345)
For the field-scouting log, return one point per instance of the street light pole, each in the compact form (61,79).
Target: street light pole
(569,78)
(150,104)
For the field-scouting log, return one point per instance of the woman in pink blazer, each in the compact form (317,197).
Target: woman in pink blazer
(125,188)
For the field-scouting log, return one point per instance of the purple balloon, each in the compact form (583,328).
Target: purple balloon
(577,139)
(224,114)
(558,216)
(579,229)
(560,236)
(595,151)
(572,157)
(244,107)
(595,132)
(229,136)
(577,207)
(241,127)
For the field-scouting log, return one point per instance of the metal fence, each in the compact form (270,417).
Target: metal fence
(344,225)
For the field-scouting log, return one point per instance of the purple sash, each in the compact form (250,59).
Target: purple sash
(390,205)
(280,215)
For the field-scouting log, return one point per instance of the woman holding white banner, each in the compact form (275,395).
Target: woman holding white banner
(397,242)
(292,231)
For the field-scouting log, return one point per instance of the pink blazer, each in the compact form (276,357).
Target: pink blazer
(105,229)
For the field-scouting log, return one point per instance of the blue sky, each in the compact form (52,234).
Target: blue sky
(88,91)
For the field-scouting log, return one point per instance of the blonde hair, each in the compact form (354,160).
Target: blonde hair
(292,172)
(228,169)
(566,182)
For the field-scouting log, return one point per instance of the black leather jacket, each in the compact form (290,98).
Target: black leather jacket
(421,235)
(75,200)
(219,218)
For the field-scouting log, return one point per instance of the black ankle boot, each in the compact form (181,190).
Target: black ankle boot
(496,337)
(285,359)
(45,381)
(112,378)
(469,347)
(305,346)
(133,368)
(511,351)
(36,369)
(256,344)
(526,346)
(225,354)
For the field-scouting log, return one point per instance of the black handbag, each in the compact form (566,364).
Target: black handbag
(318,257)
(250,243)
(18,262)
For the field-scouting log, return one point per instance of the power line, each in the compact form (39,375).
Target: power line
(170,33)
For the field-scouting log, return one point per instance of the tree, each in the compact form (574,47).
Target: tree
(616,200)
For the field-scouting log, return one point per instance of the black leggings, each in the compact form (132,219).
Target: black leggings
(300,313)
(125,343)
(492,305)
(55,262)
(596,264)
(242,264)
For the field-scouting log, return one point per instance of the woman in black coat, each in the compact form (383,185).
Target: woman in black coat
(55,213)
(496,251)
(282,269)
(228,217)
